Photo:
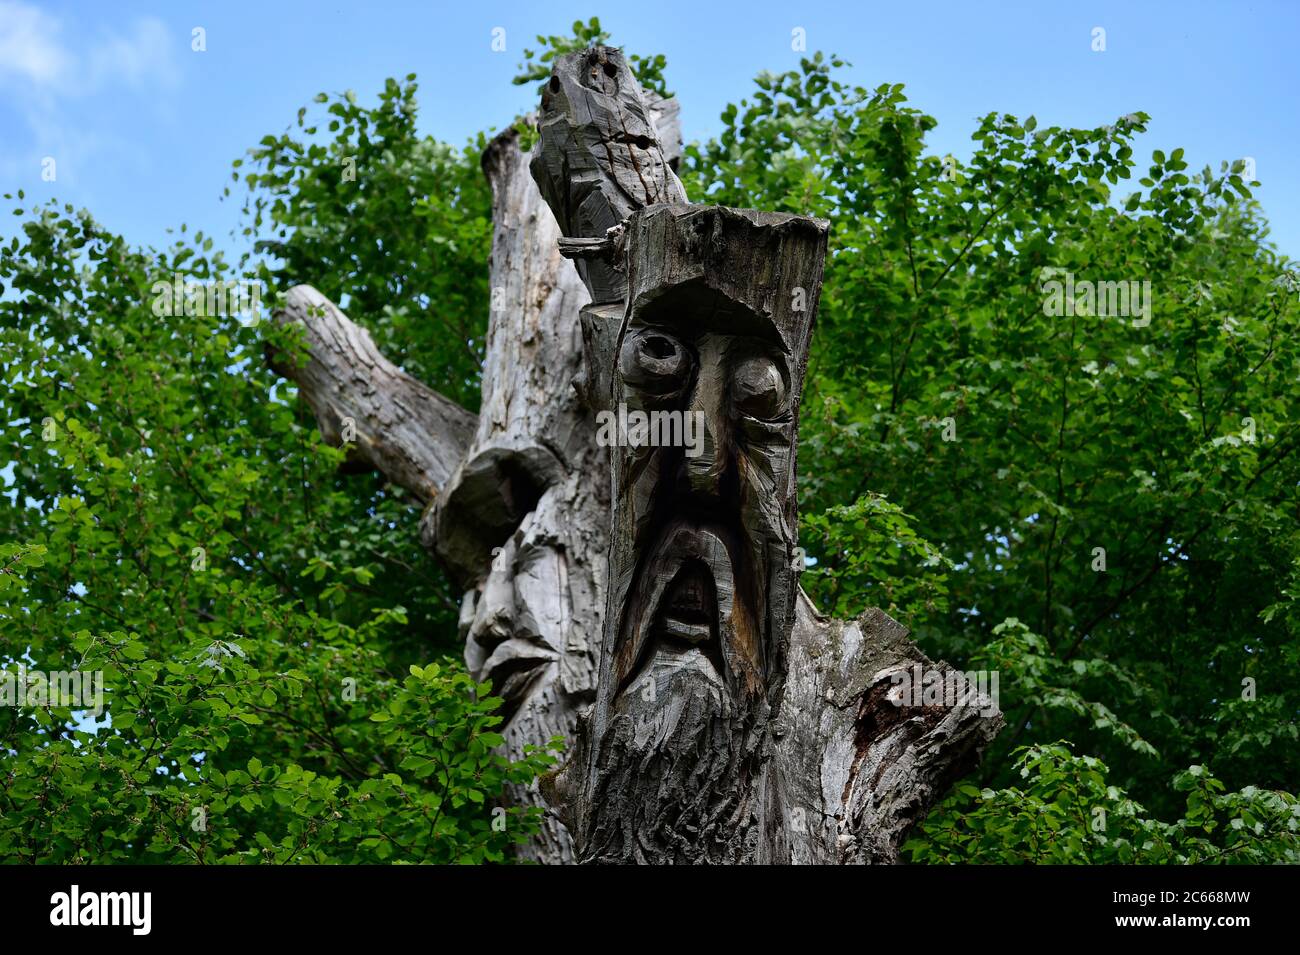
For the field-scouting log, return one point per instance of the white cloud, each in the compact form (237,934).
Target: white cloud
(137,59)
(47,64)
(34,52)
(29,44)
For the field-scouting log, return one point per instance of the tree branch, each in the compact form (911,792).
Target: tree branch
(404,429)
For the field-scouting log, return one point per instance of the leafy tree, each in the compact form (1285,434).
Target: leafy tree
(390,224)
(1125,483)
(166,528)
(1065,812)
(1101,507)
(536,65)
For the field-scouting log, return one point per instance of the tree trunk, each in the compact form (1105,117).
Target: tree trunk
(639,597)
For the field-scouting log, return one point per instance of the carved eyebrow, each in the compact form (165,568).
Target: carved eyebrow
(689,333)
(693,309)
(691,328)
(776,361)
(745,388)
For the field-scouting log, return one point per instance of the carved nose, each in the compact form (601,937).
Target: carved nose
(704,459)
(494,617)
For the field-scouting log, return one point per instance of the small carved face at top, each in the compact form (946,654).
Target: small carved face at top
(705,485)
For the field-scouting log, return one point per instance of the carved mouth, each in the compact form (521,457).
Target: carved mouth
(688,610)
(513,669)
(681,603)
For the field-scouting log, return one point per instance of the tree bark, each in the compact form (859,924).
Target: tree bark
(523,521)
(860,763)
(642,601)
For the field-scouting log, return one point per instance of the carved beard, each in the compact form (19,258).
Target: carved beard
(714,324)
(667,769)
(707,570)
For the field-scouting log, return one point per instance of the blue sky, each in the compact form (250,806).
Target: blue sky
(143,128)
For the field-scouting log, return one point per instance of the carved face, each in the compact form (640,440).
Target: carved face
(705,492)
(531,629)
(705,363)
(522,632)
(515,627)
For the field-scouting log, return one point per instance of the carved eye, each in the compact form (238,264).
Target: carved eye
(653,361)
(758,388)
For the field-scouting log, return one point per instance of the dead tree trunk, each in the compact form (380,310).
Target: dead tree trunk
(640,596)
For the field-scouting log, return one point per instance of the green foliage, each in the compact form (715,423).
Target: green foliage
(874,558)
(1090,474)
(1046,684)
(1100,507)
(1065,812)
(393,226)
(171,523)
(402,246)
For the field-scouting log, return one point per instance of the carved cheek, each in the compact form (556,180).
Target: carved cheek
(760,402)
(541,578)
(656,369)
(761,407)
(758,389)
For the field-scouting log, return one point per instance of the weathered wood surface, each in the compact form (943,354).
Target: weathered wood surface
(701,577)
(523,520)
(741,725)
(600,156)
(857,764)
(414,435)
(696,750)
